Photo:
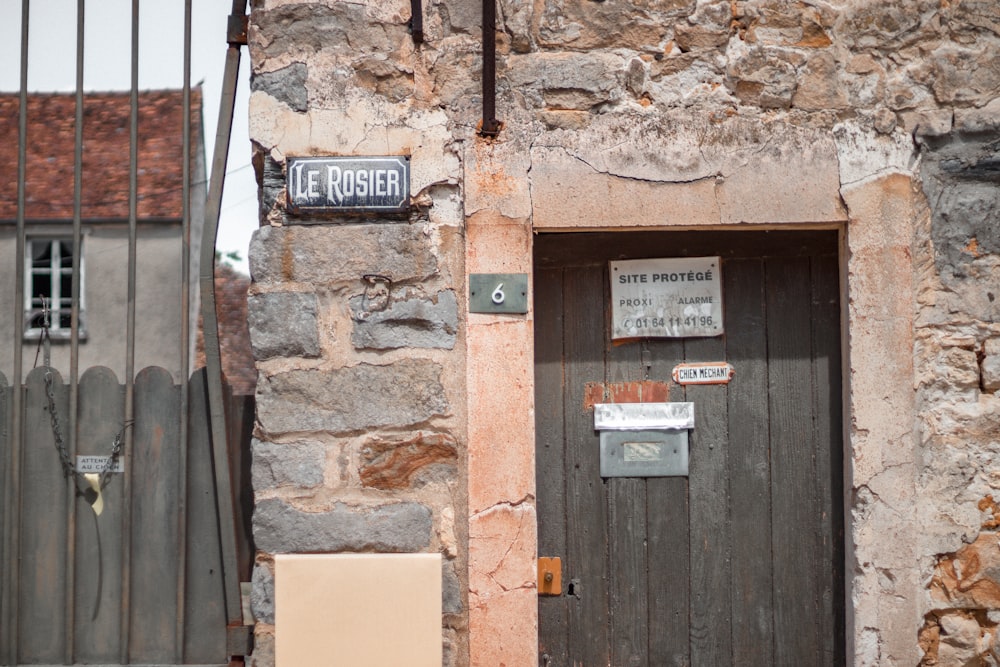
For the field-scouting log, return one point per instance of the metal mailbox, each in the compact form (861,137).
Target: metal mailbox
(644,439)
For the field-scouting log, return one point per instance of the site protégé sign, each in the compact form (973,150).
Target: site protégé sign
(666,298)
(354,184)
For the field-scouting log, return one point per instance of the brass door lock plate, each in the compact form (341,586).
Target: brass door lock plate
(550,576)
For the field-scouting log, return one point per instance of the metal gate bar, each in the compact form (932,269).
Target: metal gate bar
(12,507)
(185,337)
(133,186)
(74,363)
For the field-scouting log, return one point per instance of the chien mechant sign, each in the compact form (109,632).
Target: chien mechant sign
(354,184)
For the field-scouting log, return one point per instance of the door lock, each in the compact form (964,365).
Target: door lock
(550,576)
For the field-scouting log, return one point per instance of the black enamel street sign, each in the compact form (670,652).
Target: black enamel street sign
(354,184)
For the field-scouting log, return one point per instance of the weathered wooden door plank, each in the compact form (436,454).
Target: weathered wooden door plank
(828,435)
(550,475)
(794,506)
(711,583)
(668,532)
(586,519)
(628,596)
(749,463)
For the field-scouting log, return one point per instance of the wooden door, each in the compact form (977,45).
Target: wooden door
(740,562)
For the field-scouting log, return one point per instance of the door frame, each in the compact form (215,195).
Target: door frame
(876,213)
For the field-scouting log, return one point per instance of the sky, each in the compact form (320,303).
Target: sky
(52,28)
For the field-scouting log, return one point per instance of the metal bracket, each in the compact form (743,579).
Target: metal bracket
(236,30)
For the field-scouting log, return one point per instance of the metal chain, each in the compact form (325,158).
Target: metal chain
(65,460)
(67,463)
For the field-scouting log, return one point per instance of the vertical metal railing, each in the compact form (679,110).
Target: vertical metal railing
(185,335)
(74,358)
(133,187)
(12,507)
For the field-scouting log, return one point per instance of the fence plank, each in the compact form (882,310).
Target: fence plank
(98,539)
(41,599)
(204,609)
(154,525)
(239,431)
(5,441)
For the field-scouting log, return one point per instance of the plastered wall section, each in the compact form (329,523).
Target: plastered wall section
(503,602)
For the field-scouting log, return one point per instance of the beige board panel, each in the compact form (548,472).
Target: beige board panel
(358,610)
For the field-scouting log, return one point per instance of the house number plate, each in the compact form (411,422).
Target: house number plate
(498,293)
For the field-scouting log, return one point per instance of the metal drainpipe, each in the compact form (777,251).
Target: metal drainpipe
(490,126)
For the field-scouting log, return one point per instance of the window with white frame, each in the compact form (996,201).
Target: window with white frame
(50,277)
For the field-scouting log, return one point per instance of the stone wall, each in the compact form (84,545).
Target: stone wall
(880,118)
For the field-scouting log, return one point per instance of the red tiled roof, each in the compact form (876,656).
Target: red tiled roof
(51,134)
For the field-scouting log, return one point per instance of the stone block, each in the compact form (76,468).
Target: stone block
(330,254)
(578,25)
(970,577)
(400,463)
(287,84)
(451,588)
(762,76)
(400,394)
(964,75)
(927,123)
(275,465)
(990,369)
(263,650)
(694,37)
(982,119)
(819,86)
(262,594)
(324,255)
(395,528)
(283,324)
(410,322)
(567,80)
(385,77)
(310,28)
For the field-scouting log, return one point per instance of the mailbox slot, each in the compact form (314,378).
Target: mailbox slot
(644,439)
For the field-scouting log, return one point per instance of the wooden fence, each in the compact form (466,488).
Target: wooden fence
(141,583)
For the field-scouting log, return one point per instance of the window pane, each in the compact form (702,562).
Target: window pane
(66,285)
(65,320)
(41,254)
(41,285)
(66,251)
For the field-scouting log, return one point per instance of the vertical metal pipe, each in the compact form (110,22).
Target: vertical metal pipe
(74,349)
(417,21)
(12,511)
(213,362)
(126,573)
(490,126)
(185,340)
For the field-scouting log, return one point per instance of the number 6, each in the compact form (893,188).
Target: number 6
(498,296)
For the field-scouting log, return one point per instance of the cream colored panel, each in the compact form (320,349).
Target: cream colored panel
(358,610)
